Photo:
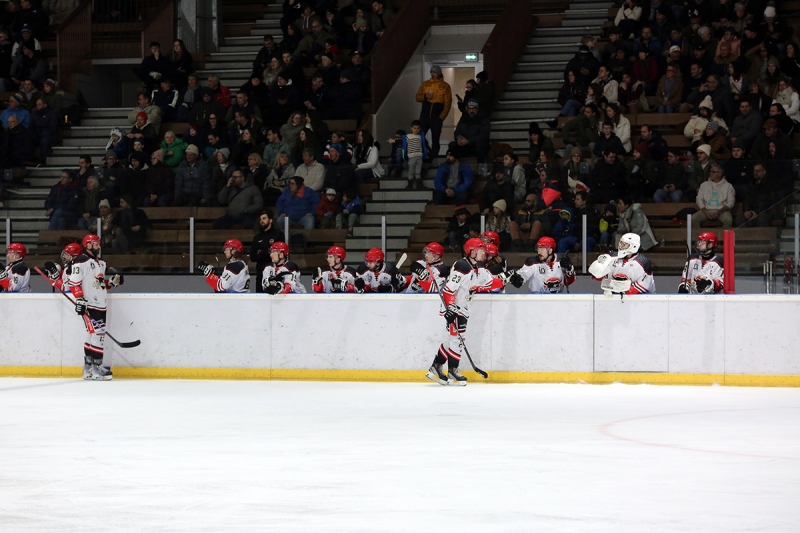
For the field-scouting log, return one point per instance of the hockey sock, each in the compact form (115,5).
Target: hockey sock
(441,356)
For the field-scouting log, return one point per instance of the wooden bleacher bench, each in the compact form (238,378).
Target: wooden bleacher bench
(661,119)
(347,126)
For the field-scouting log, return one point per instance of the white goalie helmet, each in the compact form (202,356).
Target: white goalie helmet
(633,242)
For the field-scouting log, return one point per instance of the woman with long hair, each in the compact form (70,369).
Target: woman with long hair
(670,90)
(181,63)
(769,80)
(256,170)
(572,96)
(244,147)
(278,179)
(291,129)
(787,96)
(790,64)
(306,139)
(737,80)
(622,126)
(365,157)
(270,74)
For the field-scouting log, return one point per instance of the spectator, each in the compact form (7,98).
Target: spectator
(759,57)
(278,179)
(759,203)
(17,109)
(633,220)
(111,176)
(498,222)
(790,64)
(571,96)
(62,203)
(619,64)
(189,95)
(747,125)
(737,82)
(193,185)
(787,96)
(291,130)
(380,17)
(365,157)
(166,98)
(769,80)
(670,91)
(759,101)
(656,145)
(436,98)
(739,169)
(243,121)
(313,43)
(29,94)
(243,104)
(159,182)
(722,59)
(702,168)
(785,124)
(45,124)
(266,235)
(575,171)
(775,27)
(715,138)
(609,85)
(327,68)
(131,226)
(265,55)
(243,201)
(275,145)
(181,63)
(298,203)
(642,173)
(645,70)
(538,142)
(721,98)
(632,99)
(516,175)
(85,169)
(362,73)
(308,16)
(585,126)
(327,210)
(627,19)
(608,141)
(469,89)
(584,65)
(192,135)
(244,146)
(573,242)
(364,39)
(219,92)
(496,189)
(29,65)
(221,168)
(132,183)
(608,178)
(5,61)
(17,144)
(174,150)
(338,137)
(205,108)
(311,171)
(784,148)
(622,126)
(526,226)
(340,173)
(697,124)
(458,229)
(647,42)
(351,212)
(306,140)
(117,141)
(153,67)
(671,178)
(143,131)
(145,105)
(344,98)
(453,182)
(609,224)
(715,199)
(472,134)
(106,223)
(693,79)
(256,170)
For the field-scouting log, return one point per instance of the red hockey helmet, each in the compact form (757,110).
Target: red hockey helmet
(374,255)
(546,242)
(710,238)
(337,251)
(89,239)
(473,244)
(236,244)
(435,248)
(491,250)
(491,236)
(74,249)
(280,247)
(17,247)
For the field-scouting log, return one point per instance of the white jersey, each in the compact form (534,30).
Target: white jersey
(637,269)
(288,273)
(331,277)
(387,279)
(418,286)
(699,268)
(16,277)
(463,276)
(235,278)
(545,277)
(87,279)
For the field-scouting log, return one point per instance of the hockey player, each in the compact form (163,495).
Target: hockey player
(16,275)
(88,284)
(337,277)
(376,275)
(495,262)
(59,276)
(420,280)
(546,272)
(703,273)
(235,276)
(281,276)
(625,271)
(462,281)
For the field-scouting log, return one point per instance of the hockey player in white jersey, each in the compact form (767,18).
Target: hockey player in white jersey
(376,275)
(421,281)
(703,273)
(15,276)
(462,281)
(59,276)
(281,276)
(235,276)
(338,277)
(625,271)
(88,284)
(547,272)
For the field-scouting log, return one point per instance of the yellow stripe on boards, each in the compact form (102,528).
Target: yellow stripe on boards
(415,376)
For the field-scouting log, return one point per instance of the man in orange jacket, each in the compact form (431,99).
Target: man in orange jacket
(437,98)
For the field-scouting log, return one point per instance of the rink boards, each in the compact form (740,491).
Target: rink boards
(678,339)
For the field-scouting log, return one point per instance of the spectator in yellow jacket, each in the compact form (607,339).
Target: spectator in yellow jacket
(436,98)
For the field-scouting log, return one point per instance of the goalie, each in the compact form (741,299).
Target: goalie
(625,271)
(703,273)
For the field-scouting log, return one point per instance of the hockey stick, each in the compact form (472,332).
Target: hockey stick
(460,338)
(402,260)
(131,344)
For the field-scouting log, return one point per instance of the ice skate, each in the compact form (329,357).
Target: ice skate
(101,373)
(87,371)
(455,378)
(435,373)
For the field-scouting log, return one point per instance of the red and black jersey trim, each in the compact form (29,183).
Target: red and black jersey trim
(235,266)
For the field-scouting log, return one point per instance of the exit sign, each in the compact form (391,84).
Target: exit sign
(470,57)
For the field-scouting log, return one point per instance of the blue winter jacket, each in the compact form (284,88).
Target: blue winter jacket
(296,206)
(464,178)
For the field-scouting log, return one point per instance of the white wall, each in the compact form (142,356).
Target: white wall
(718,335)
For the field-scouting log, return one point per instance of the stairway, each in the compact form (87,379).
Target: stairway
(532,91)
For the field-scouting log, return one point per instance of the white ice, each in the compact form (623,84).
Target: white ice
(195,456)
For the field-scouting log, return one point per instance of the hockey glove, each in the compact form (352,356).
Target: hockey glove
(205,269)
(360,285)
(116,280)
(451,313)
(506,276)
(566,264)
(52,270)
(704,285)
(516,280)
(338,285)
(419,270)
(682,289)
(274,287)
(385,288)
(318,278)
(3,273)
(80,306)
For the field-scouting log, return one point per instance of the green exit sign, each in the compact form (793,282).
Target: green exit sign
(470,57)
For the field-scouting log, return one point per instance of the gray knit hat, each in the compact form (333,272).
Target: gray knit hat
(437,69)
(713,125)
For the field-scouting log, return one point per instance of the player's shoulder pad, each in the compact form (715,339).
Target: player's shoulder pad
(235,266)
(390,268)
(533,260)
(694,256)
(717,260)
(362,269)
(444,270)
(20,269)
(83,258)
(501,261)
(463,266)
(350,270)
(292,266)
(496,269)
(645,262)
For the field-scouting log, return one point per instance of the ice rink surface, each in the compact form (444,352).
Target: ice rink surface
(222,456)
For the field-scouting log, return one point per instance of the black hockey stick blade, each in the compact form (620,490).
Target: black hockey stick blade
(131,344)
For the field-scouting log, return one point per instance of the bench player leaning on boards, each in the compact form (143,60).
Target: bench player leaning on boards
(88,284)
(15,276)
(547,272)
(60,275)
(625,271)
(235,276)
(281,276)
(703,273)
(376,275)
(338,277)
(421,280)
